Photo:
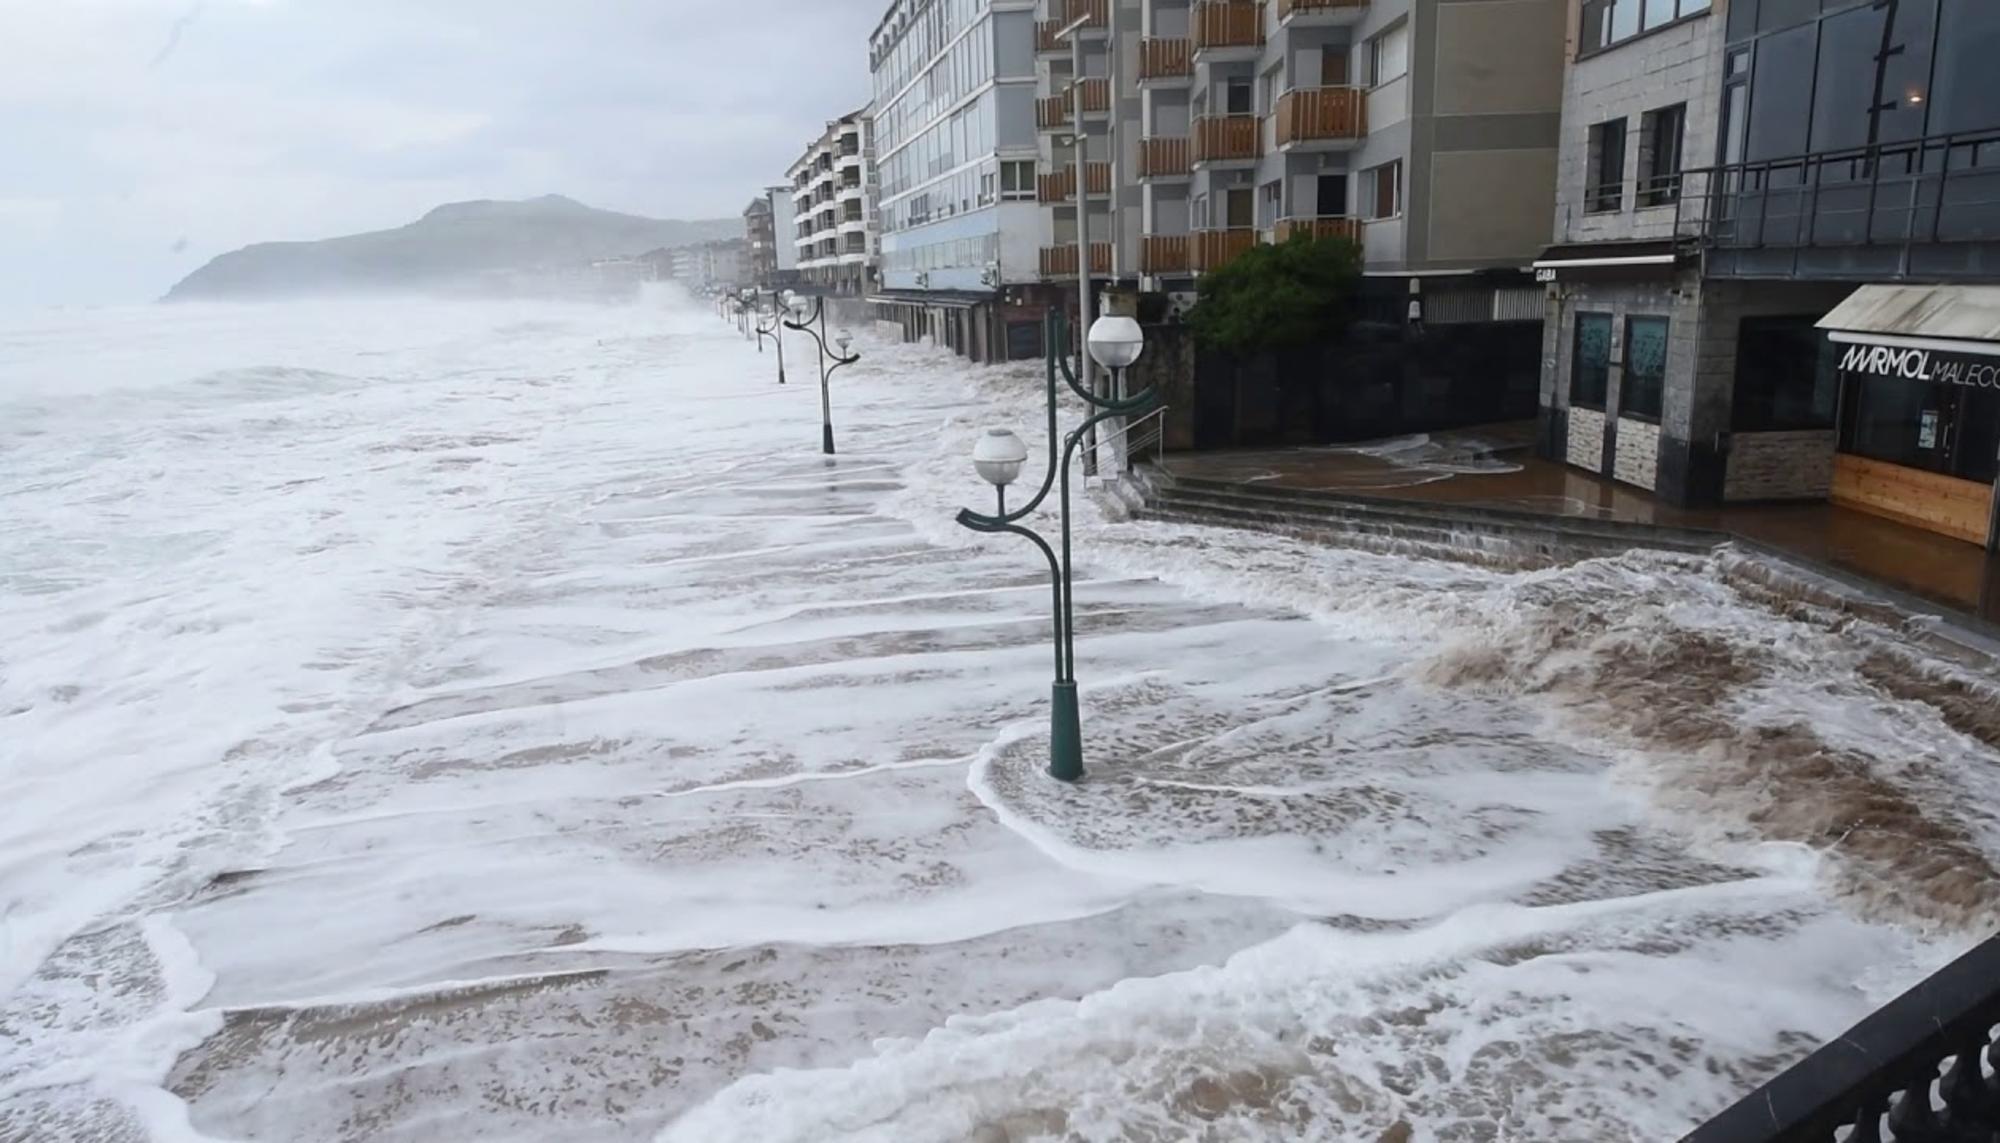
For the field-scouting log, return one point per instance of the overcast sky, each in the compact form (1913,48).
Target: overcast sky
(139,138)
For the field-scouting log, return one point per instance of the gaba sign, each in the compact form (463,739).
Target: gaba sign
(1922,365)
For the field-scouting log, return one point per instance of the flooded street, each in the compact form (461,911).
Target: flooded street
(499,722)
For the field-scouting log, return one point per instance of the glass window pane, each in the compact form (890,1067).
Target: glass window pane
(1659,12)
(1967,98)
(1590,364)
(1779,115)
(1645,367)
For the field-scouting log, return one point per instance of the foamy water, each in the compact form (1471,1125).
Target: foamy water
(442,721)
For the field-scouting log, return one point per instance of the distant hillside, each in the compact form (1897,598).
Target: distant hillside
(453,246)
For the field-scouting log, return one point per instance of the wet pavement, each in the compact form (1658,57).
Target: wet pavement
(1493,467)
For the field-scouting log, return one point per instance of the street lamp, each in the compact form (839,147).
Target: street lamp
(775,332)
(1115,343)
(842,357)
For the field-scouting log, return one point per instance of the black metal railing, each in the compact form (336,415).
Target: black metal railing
(1938,190)
(1915,1071)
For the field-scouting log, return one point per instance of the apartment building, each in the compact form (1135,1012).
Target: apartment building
(954,85)
(832,192)
(1778,243)
(1424,130)
(769,226)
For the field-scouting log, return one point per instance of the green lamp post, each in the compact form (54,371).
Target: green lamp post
(776,332)
(839,356)
(1115,342)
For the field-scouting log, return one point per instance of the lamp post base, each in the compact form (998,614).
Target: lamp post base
(1065,735)
(826,439)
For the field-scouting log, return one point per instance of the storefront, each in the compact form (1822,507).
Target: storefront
(1919,414)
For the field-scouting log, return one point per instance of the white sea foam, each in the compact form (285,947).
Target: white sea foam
(502,722)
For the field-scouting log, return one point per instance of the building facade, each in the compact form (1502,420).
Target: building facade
(954,84)
(832,192)
(768,227)
(1792,301)
(1424,130)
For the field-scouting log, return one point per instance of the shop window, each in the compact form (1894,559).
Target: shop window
(1785,377)
(1641,392)
(1660,135)
(1606,190)
(1590,363)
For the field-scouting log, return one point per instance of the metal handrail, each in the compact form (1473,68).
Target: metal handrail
(1132,438)
(1782,202)
(1885,1069)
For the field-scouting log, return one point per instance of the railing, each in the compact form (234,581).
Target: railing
(1289,8)
(1938,190)
(1603,198)
(1227,137)
(1052,111)
(1227,24)
(1214,249)
(1135,440)
(1060,185)
(1322,113)
(1060,261)
(1165,254)
(1324,227)
(1165,59)
(1164,157)
(1916,1061)
(1069,12)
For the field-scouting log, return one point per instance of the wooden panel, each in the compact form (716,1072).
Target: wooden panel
(1912,496)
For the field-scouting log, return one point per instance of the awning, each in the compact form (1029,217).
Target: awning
(942,299)
(1639,254)
(1949,319)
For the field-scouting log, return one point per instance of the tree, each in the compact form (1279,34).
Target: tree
(1283,296)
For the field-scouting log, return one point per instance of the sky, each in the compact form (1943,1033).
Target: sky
(140,138)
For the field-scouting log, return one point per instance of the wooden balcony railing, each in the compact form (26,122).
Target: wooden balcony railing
(1165,59)
(1288,8)
(1290,228)
(1214,249)
(1067,13)
(1322,113)
(1227,137)
(1060,185)
(1054,110)
(1165,156)
(1166,254)
(1060,261)
(1228,24)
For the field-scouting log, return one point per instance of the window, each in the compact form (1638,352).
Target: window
(1389,55)
(1606,189)
(1238,97)
(1590,364)
(1017,179)
(1236,208)
(1645,381)
(1270,201)
(1606,22)
(1660,155)
(1382,191)
(1785,376)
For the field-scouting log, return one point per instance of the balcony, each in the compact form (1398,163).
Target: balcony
(1165,61)
(1320,13)
(1053,111)
(1068,12)
(1314,115)
(1166,254)
(1328,227)
(1227,139)
(1922,209)
(1214,249)
(1232,26)
(1060,261)
(1060,185)
(1166,157)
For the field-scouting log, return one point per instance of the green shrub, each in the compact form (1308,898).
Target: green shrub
(1283,296)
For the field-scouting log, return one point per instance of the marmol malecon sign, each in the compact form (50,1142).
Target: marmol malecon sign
(1935,365)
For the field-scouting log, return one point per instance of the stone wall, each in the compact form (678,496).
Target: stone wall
(1780,466)
(1586,438)
(1637,456)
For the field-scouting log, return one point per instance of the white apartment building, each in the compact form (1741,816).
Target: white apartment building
(833,191)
